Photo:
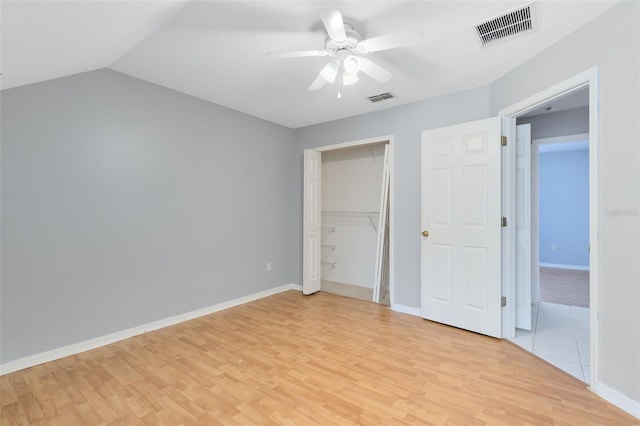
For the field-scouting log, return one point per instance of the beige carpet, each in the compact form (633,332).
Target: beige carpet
(565,286)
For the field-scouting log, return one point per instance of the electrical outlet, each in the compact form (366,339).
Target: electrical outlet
(268,266)
(554,247)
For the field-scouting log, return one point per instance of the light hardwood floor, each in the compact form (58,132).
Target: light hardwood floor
(290,359)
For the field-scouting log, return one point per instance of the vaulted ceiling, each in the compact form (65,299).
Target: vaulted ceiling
(215,50)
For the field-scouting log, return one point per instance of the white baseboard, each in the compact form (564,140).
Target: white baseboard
(562,266)
(618,399)
(406,309)
(51,355)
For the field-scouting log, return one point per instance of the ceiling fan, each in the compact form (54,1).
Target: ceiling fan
(348,52)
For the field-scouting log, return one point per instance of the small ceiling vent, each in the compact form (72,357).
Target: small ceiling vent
(380,97)
(507,25)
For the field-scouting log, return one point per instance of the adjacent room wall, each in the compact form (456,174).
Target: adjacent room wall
(612,43)
(561,123)
(550,125)
(564,208)
(405,123)
(124,203)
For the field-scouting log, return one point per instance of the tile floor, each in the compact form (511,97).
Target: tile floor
(559,335)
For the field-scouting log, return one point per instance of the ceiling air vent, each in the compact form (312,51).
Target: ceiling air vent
(380,97)
(507,25)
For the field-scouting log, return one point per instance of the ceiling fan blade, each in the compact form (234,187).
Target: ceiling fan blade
(317,83)
(375,71)
(297,54)
(390,41)
(332,20)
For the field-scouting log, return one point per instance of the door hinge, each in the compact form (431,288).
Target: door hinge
(503,222)
(503,140)
(503,301)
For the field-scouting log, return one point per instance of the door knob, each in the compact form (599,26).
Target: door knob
(425,233)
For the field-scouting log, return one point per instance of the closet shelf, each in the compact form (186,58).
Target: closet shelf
(348,213)
(351,218)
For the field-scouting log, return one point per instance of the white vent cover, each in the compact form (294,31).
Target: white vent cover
(507,25)
(380,97)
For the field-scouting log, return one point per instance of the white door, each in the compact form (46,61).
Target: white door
(312,223)
(461,224)
(382,226)
(523,226)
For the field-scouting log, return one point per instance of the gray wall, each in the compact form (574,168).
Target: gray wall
(405,123)
(611,42)
(124,202)
(561,123)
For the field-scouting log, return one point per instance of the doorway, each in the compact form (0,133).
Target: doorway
(561,207)
(559,331)
(348,231)
(564,334)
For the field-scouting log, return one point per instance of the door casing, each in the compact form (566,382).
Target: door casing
(586,79)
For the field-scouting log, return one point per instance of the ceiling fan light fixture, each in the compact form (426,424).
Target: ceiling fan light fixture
(349,79)
(330,71)
(347,51)
(352,65)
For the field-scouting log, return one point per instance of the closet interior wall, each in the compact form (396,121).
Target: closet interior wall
(351,191)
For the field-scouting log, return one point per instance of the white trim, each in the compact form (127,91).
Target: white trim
(535,219)
(566,87)
(390,219)
(618,399)
(359,142)
(508,237)
(407,310)
(587,79)
(372,141)
(563,266)
(76,348)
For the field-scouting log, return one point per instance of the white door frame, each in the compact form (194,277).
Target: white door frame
(523,223)
(373,141)
(590,80)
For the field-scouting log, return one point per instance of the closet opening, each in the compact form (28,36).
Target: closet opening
(348,190)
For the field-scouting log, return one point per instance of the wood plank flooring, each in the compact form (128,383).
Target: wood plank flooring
(296,360)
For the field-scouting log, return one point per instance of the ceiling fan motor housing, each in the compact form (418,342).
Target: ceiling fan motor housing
(350,44)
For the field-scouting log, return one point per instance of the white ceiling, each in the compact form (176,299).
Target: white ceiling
(215,50)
